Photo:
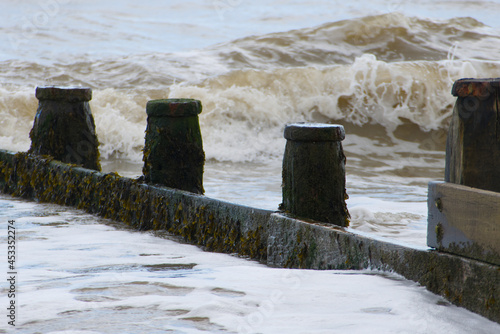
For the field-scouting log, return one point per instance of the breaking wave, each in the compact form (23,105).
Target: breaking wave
(388,70)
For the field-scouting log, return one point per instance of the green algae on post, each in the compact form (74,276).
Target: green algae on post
(64,127)
(314,173)
(173,151)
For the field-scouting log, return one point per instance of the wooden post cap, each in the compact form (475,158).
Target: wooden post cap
(173,108)
(68,94)
(314,132)
(475,87)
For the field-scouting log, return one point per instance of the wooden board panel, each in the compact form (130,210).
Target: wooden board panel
(464,221)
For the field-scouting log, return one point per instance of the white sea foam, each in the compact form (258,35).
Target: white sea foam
(245,111)
(79,274)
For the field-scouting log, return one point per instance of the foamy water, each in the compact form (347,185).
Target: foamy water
(382,69)
(81,274)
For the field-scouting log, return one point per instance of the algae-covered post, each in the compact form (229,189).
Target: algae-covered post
(64,126)
(473,145)
(173,152)
(314,173)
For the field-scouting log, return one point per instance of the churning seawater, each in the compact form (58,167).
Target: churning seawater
(383,69)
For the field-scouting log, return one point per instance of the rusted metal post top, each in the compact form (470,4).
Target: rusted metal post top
(314,132)
(68,94)
(475,87)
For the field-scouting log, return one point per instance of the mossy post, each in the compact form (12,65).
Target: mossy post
(314,173)
(64,127)
(173,152)
(473,144)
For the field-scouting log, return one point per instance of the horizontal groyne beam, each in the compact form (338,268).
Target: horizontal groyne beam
(270,237)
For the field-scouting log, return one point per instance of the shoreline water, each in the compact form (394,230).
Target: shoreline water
(275,238)
(117,292)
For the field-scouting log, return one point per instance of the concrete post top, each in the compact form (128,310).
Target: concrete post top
(173,108)
(314,132)
(475,87)
(68,94)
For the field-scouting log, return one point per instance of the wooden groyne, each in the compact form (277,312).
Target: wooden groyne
(270,237)
(274,238)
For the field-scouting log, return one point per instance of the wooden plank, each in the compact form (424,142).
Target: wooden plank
(464,221)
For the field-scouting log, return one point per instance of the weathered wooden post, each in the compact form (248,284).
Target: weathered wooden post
(464,211)
(314,173)
(173,152)
(473,145)
(64,126)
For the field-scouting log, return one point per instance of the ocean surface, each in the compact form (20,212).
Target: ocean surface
(382,69)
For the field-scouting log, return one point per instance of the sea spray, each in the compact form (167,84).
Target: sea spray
(246,110)
(257,103)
